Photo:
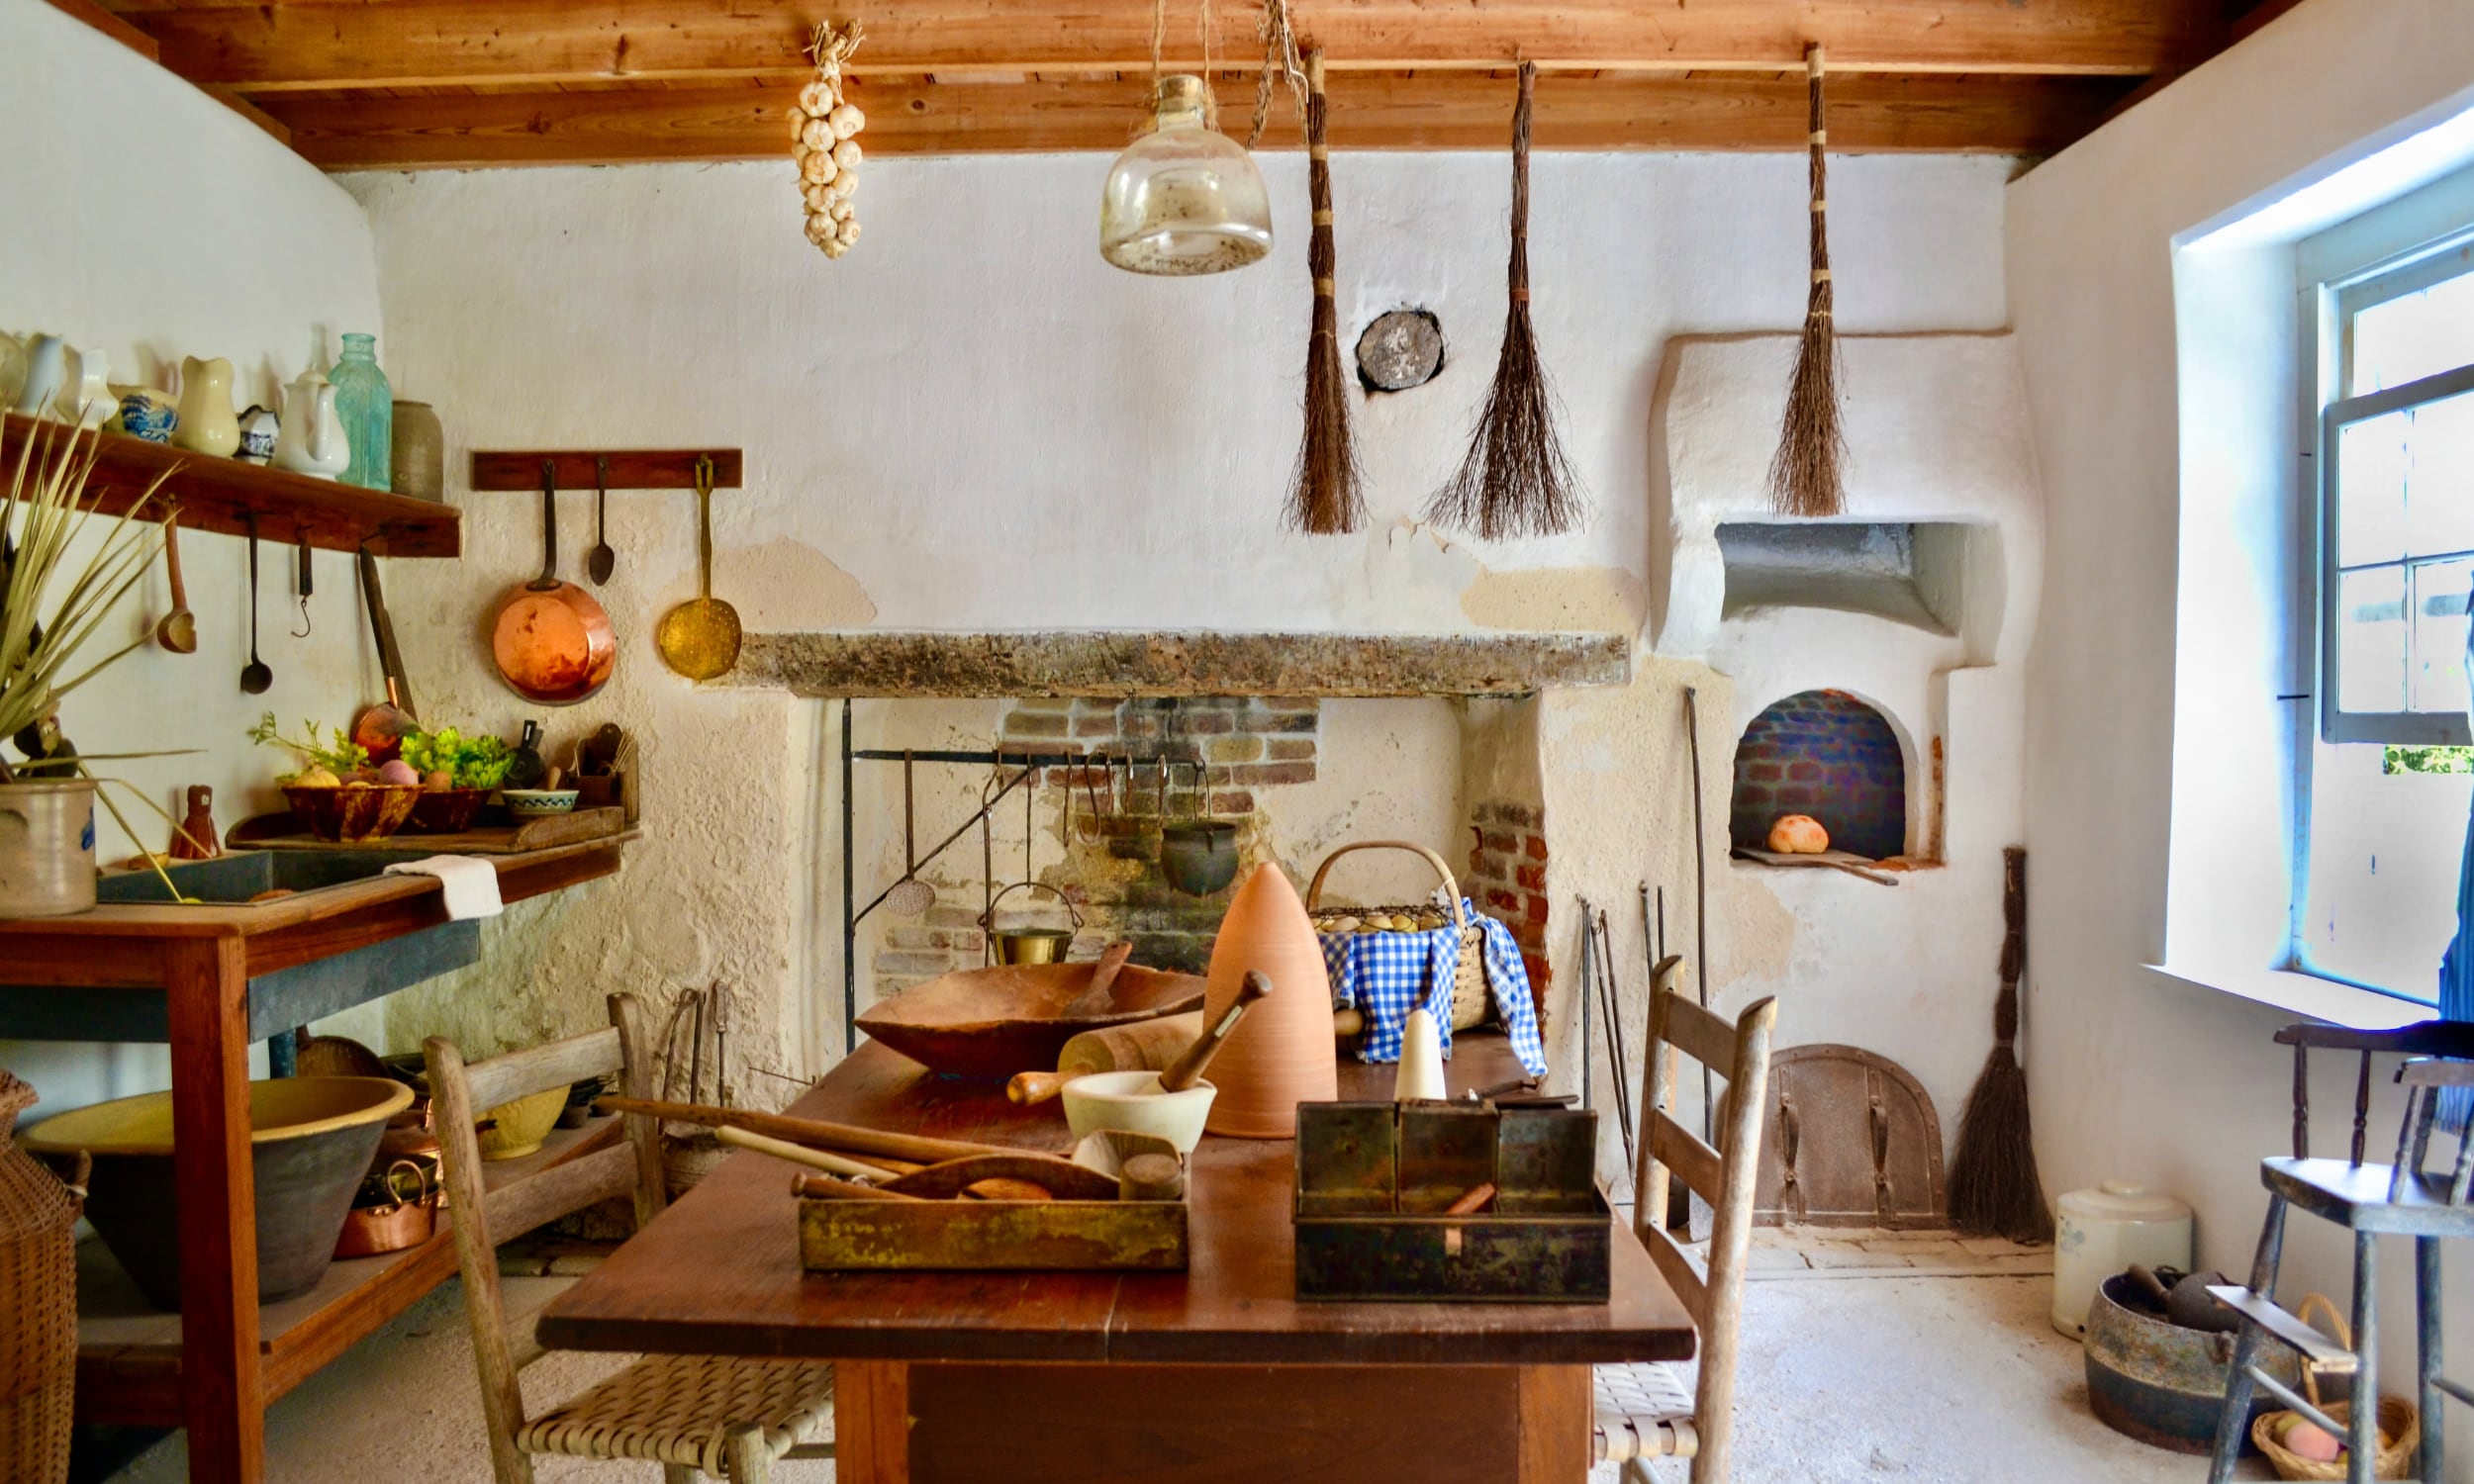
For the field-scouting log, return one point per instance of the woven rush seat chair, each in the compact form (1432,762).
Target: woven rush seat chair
(1642,1409)
(721,1416)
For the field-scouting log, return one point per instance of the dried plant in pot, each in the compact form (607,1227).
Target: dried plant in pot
(64,570)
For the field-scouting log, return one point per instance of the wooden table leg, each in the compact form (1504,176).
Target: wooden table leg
(206,986)
(872,1421)
(1555,1415)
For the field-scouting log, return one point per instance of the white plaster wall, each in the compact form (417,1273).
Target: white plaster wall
(973,422)
(147,221)
(2136,1074)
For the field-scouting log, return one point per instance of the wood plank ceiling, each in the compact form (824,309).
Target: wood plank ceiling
(431,83)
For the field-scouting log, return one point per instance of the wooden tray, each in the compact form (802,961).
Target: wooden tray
(974,1236)
(1373,1179)
(996,1022)
(503,837)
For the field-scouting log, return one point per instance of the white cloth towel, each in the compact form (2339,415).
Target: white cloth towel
(471,884)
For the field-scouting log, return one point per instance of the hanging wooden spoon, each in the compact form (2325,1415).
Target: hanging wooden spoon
(701,639)
(178,632)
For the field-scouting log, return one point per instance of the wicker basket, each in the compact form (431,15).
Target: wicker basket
(38,1304)
(1470,1001)
(2399,1424)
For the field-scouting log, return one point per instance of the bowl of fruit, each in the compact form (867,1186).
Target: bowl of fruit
(339,796)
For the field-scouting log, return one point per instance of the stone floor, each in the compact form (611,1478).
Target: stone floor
(1906,1374)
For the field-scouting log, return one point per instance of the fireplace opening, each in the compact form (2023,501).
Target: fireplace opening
(1829,754)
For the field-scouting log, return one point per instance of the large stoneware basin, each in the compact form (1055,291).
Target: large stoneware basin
(311,1141)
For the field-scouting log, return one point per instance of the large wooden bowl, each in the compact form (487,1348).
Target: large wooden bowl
(996,1022)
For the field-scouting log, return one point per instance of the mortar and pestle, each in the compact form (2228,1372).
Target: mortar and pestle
(1170,1105)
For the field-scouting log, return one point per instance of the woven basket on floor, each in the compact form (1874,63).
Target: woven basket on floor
(2399,1424)
(1469,998)
(38,1304)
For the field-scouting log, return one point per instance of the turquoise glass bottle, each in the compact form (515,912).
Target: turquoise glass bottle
(366,404)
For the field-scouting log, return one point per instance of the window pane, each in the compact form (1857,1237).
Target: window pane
(2371,640)
(2383,870)
(2372,460)
(2439,623)
(2439,486)
(2414,336)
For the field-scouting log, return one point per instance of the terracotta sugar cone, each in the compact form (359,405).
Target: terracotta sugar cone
(1281,1053)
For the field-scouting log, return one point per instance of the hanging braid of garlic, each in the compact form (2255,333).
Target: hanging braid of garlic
(824,141)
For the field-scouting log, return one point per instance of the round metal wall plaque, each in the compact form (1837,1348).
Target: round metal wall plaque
(1401,351)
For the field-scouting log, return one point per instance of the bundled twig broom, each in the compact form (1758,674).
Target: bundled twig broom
(1994,1189)
(1515,480)
(1326,495)
(1804,473)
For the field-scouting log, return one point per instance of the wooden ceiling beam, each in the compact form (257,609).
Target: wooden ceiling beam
(384,44)
(1436,110)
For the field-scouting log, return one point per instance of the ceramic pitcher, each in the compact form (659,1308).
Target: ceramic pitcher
(309,438)
(208,423)
(45,359)
(84,398)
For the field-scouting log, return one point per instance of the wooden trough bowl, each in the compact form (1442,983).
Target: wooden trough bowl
(996,1022)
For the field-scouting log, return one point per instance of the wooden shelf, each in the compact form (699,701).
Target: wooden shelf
(217,495)
(129,1352)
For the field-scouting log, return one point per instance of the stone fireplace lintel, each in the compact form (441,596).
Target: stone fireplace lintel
(891,665)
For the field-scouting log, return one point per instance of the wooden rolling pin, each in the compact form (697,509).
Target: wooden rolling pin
(813,1133)
(799,1154)
(1144,1045)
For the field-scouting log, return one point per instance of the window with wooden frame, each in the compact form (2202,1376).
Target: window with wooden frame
(2397,499)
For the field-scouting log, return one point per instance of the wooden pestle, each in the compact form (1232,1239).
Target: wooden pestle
(799,1154)
(1183,1073)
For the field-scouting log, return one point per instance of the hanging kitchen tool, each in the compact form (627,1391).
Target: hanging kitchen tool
(178,632)
(1030,945)
(1804,473)
(1199,856)
(303,584)
(909,897)
(256,678)
(1515,480)
(381,728)
(553,642)
(601,562)
(701,639)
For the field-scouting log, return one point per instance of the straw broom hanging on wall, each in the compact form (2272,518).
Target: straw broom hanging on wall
(1326,494)
(1804,473)
(1515,480)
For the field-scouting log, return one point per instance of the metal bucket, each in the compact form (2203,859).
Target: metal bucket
(47,848)
(2165,1385)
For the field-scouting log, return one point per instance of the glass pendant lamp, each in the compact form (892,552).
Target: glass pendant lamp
(1184,199)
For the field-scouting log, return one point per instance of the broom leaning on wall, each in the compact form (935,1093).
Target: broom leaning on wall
(1995,1187)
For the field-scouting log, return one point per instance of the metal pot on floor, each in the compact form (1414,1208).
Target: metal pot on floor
(2161,1383)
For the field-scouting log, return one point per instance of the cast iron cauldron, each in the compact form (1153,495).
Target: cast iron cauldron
(2161,1383)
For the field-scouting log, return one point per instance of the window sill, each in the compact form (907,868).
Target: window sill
(2301,994)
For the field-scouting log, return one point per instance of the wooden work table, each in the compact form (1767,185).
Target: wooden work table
(1218,1373)
(200,961)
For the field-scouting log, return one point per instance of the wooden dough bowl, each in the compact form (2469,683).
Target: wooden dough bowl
(996,1022)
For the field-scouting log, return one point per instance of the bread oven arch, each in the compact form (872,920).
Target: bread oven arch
(1830,754)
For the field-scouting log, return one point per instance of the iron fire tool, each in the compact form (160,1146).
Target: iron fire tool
(1594,970)
(1681,1221)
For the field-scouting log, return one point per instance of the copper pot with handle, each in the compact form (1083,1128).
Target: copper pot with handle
(553,641)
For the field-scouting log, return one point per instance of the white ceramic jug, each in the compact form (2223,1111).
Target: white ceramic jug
(208,423)
(309,438)
(84,398)
(46,358)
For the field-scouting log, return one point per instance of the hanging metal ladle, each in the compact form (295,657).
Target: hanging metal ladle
(909,897)
(699,639)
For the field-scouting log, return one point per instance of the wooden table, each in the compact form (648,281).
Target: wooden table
(200,959)
(1210,1377)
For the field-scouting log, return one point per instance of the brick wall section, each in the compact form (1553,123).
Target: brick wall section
(1506,879)
(1827,754)
(1244,745)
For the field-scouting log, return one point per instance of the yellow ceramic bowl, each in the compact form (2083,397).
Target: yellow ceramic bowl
(516,1129)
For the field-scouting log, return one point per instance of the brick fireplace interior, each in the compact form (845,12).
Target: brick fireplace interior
(1827,754)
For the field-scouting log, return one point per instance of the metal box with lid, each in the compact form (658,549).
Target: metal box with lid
(1375,1181)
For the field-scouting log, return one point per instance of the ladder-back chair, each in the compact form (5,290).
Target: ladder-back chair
(728,1416)
(1642,1410)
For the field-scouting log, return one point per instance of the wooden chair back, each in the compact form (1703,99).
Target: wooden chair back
(483,1217)
(2448,1040)
(1723,1175)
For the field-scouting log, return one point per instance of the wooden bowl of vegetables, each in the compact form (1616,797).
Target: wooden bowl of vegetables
(351,814)
(457,775)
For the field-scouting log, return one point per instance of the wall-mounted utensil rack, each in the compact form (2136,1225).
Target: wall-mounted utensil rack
(221,494)
(578,468)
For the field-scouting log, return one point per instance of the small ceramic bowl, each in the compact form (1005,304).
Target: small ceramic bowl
(539,803)
(518,1128)
(1133,1102)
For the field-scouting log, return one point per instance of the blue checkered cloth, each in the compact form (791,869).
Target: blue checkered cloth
(1388,974)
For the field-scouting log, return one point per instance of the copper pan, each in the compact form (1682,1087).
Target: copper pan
(553,641)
